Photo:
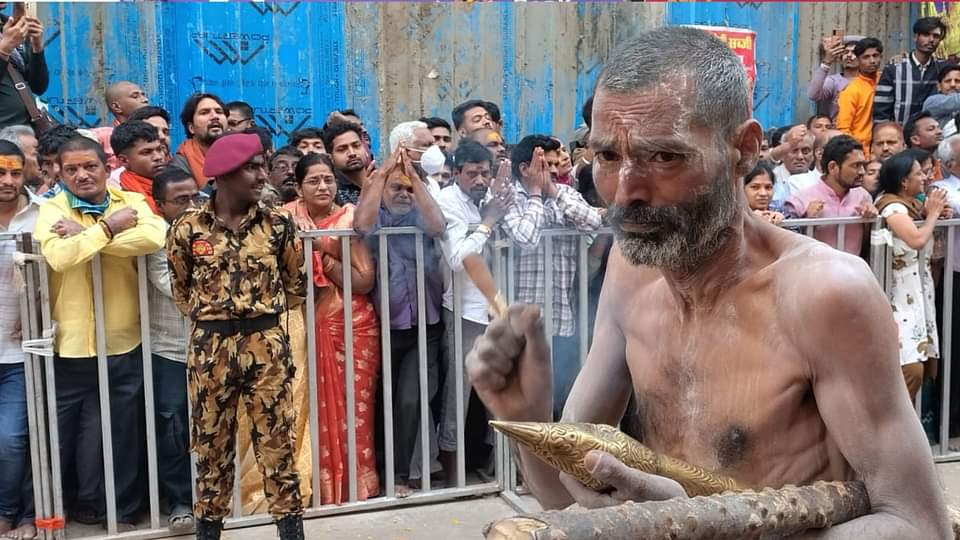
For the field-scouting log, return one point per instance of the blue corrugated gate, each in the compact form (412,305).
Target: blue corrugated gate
(296,61)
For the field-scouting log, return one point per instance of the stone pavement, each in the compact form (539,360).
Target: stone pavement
(462,519)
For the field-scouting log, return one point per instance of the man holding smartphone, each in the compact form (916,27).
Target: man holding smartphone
(21,47)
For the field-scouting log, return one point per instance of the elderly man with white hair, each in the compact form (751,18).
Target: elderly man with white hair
(418,140)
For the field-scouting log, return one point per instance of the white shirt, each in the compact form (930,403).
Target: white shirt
(781,175)
(10,290)
(952,185)
(799,182)
(457,242)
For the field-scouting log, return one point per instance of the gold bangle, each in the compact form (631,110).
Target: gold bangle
(483,228)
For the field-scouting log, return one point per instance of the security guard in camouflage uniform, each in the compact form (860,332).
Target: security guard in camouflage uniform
(236,265)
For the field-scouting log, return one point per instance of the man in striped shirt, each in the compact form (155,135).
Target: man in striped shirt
(904,86)
(541,203)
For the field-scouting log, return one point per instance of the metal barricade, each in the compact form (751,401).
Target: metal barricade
(503,256)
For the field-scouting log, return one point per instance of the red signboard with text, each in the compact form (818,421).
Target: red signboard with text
(742,42)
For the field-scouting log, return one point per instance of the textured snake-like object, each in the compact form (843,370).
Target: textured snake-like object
(565,446)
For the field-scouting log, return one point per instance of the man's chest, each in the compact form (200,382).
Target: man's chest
(236,252)
(716,391)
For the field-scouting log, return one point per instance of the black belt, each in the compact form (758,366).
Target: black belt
(245,327)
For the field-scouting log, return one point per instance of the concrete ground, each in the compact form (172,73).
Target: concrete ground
(462,519)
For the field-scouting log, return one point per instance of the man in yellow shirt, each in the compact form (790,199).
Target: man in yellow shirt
(855,103)
(85,220)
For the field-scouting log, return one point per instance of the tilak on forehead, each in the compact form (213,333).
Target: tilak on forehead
(10,162)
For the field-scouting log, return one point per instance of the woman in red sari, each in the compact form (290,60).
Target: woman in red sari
(315,209)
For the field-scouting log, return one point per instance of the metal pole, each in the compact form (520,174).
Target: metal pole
(947,341)
(349,372)
(841,236)
(148,398)
(425,426)
(584,304)
(511,273)
(36,427)
(46,322)
(458,373)
(103,383)
(386,362)
(311,321)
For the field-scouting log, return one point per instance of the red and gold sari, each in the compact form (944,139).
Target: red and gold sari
(331,362)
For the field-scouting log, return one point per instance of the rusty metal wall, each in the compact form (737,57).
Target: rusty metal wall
(296,61)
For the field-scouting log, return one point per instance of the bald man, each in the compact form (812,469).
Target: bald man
(123,98)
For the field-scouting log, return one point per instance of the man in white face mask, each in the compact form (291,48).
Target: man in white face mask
(436,164)
(418,140)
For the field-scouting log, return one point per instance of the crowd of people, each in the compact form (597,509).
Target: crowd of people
(217,217)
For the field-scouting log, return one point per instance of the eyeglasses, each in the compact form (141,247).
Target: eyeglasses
(184,200)
(313,183)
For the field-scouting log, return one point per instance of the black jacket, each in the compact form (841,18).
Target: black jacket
(12,109)
(902,89)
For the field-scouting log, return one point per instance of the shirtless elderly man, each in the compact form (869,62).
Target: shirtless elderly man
(753,351)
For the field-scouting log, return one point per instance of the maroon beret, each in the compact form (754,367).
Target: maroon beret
(230,152)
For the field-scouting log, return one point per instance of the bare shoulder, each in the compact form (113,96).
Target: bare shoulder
(823,294)
(809,271)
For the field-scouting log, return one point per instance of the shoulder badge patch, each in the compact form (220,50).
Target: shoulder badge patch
(201,248)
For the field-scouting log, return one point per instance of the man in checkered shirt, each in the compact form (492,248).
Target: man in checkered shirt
(541,203)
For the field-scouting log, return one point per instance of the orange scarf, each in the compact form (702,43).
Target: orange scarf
(195,156)
(131,181)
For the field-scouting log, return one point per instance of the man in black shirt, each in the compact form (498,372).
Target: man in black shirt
(21,46)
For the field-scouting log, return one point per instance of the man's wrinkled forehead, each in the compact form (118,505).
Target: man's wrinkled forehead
(656,108)
(659,112)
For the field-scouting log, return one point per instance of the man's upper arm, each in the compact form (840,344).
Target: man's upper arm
(605,372)
(158,270)
(860,392)
(180,261)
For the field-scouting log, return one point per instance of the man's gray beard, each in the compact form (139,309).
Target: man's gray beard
(688,233)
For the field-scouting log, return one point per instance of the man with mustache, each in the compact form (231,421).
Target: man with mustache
(470,215)
(344,141)
(887,140)
(724,327)
(281,184)
(204,119)
(88,218)
(839,193)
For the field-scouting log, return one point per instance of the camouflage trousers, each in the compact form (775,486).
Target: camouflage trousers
(256,370)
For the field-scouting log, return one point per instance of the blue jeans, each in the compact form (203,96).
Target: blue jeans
(16,484)
(173,436)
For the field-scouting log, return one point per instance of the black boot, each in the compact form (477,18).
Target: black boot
(209,529)
(290,527)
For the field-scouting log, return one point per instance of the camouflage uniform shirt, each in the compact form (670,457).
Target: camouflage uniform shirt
(221,274)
